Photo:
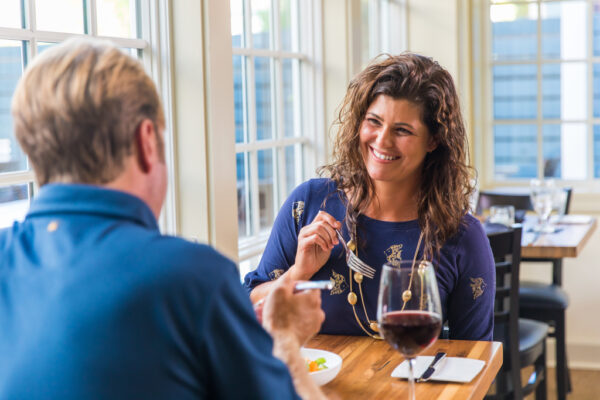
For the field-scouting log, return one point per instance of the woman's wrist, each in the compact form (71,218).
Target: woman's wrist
(298,273)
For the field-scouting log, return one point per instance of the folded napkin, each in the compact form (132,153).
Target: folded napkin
(452,369)
(570,219)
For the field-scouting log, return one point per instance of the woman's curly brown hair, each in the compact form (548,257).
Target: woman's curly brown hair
(445,184)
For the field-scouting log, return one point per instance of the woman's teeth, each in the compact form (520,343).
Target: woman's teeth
(383,156)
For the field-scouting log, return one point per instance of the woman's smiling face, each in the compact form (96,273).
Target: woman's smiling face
(394,141)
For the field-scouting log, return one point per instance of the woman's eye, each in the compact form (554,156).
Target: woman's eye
(373,121)
(402,131)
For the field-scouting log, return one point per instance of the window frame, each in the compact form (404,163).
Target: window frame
(153,19)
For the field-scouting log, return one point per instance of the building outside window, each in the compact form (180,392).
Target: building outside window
(27,28)
(542,85)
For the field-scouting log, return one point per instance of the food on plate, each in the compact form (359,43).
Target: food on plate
(316,365)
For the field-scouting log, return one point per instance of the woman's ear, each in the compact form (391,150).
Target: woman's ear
(432,144)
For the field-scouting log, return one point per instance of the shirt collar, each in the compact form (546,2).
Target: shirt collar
(89,199)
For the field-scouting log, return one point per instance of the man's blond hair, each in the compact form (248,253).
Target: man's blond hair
(76,110)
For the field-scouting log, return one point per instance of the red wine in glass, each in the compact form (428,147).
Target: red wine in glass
(409,311)
(410,332)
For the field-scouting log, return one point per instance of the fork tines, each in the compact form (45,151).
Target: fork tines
(359,266)
(355,263)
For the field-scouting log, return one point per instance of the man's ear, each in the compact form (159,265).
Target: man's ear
(146,145)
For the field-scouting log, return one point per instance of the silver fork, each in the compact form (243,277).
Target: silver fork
(354,262)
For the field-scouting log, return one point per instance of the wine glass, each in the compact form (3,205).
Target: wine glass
(408,310)
(542,198)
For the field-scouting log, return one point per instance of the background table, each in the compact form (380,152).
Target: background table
(567,242)
(368,364)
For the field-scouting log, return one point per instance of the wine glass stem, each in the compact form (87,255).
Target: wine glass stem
(411,378)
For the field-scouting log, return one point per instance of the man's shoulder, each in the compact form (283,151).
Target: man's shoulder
(176,251)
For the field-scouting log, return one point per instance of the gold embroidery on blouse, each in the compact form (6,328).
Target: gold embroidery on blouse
(297,210)
(276,273)
(478,286)
(339,283)
(394,254)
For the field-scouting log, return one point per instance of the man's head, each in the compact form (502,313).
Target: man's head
(80,111)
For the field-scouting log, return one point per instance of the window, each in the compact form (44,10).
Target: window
(28,27)
(275,110)
(383,28)
(543,68)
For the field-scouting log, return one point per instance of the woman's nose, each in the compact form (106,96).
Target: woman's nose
(384,136)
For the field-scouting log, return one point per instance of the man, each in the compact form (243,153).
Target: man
(94,302)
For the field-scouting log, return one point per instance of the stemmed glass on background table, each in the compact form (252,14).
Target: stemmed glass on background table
(542,193)
(409,311)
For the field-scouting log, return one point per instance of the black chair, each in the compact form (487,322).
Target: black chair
(524,340)
(539,301)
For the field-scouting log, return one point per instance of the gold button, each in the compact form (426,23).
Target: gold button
(52,226)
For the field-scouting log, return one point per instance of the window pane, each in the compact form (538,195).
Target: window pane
(266,190)
(240,99)
(515,151)
(596,89)
(291,97)
(596,151)
(514,31)
(564,91)
(551,90)
(243,195)
(237,23)
(571,153)
(41,46)
(116,18)
(263,75)
(573,90)
(12,157)
(60,15)
(564,30)
(596,27)
(10,17)
(14,202)
(551,151)
(515,91)
(293,167)
(261,24)
(288,14)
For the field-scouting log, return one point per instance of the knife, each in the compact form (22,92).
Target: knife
(431,369)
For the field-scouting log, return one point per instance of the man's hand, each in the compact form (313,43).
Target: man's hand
(299,314)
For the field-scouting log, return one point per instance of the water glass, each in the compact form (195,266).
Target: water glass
(542,198)
(504,215)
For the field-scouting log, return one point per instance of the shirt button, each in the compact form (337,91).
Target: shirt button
(52,226)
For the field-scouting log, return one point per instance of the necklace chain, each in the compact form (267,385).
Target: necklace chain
(358,277)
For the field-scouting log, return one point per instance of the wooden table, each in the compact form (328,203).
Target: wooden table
(368,364)
(568,241)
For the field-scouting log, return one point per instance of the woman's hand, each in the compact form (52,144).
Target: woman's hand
(315,242)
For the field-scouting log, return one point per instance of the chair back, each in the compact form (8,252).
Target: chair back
(507,197)
(505,243)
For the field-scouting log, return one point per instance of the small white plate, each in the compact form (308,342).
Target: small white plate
(332,361)
(452,369)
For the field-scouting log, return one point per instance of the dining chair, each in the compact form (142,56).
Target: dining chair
(539,301)
(524,340)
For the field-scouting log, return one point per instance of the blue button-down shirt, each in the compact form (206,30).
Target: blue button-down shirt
(96,304)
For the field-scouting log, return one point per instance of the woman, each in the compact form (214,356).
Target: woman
(400,184)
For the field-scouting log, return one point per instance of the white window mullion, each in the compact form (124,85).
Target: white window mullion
(93,17)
